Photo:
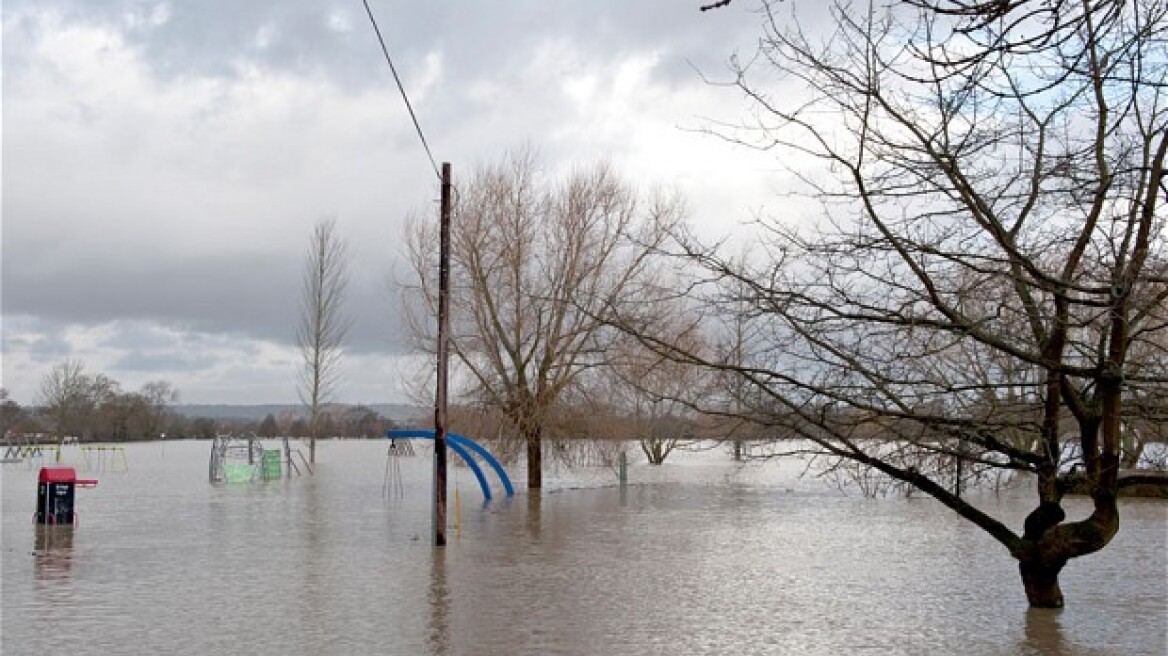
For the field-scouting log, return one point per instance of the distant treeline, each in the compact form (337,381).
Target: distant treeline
(395,411)
(125,424)
(75,405)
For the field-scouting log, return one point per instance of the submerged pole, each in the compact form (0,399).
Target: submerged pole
(623,473)
(623,470)
(439,516)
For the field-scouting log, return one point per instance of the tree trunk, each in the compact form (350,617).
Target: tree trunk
(313,429)
(653,450)
(1048,544)
(534,461)
(1041,583)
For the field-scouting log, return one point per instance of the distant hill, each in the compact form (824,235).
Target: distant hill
(395,411)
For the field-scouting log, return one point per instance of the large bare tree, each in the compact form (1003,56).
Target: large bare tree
(323,323)
(990,252)
(533,263)
(70,398)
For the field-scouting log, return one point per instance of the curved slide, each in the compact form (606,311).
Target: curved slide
(459,445)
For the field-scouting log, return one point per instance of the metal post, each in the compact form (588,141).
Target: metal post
(623,474)
(439,517)
(957,477)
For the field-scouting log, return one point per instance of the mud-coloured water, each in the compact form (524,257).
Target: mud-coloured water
(700,556)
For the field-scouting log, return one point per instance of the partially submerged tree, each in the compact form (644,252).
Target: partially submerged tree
(533,263)
(1147,421)
(323,324)
(656,394)
(159,395)
(268,427)
(70,397)
(86,407)
(992,178)
(11,415)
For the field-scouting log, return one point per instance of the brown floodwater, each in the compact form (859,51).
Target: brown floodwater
(700,556)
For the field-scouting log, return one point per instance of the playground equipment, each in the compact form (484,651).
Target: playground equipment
(245,460)
(391,483)
(104,458)
(18,451)
(234,459)
(56,486)
(461,445)
(86,457)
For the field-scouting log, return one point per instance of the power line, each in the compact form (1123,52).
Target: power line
(402,89)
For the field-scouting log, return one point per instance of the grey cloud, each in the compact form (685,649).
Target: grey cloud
(146,362)
(210,37)
(255,296)
(43,341)
(140,335)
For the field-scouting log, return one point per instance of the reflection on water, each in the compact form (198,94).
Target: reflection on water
(533,518)
(53,551)
(1044,636)
(710,558)
(439,599)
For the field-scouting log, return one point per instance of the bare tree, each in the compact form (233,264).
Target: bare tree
(11,415)
(992,178)
(159,395)
(70,398)
(323,324)
(268,426)
(533,262)
(1147,421)
(657,394)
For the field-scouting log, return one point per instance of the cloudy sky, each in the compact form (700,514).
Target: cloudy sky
(164,162)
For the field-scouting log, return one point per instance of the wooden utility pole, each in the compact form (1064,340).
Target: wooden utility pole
(439,518)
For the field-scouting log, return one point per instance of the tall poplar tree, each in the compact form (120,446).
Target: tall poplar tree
(323,323)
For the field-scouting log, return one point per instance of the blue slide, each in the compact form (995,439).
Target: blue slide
(459,445)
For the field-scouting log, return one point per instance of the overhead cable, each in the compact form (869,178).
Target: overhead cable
(402,89)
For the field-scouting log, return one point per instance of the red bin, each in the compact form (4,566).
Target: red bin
(56,491)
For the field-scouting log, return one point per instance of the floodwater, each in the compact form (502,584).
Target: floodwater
(700,556)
